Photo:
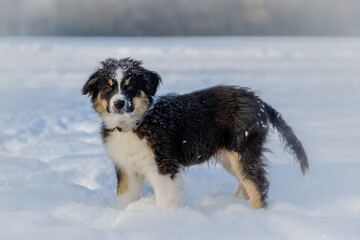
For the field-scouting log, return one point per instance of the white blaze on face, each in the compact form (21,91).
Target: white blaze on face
(116,119)
(119,76)
(118,96)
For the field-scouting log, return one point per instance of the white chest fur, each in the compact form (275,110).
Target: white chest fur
(133,155)
(130,152)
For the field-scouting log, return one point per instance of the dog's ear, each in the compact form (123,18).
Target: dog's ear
(153,80)
(89,85)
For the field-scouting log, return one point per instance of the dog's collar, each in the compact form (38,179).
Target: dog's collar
(113,129)
(120,129)
(138,122)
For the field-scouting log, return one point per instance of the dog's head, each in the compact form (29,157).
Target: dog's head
(121,92)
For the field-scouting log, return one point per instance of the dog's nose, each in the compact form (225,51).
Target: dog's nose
(119,104)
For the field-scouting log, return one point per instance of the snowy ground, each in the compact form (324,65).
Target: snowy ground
(56,181)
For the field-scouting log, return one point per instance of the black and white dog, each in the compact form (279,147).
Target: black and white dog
(156,139)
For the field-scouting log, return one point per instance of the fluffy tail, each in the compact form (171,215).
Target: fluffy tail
(292,143)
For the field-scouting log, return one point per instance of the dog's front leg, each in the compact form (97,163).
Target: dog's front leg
(168,190)
(128,187)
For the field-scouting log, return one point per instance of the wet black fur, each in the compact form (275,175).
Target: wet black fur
(189,129)
(184,130)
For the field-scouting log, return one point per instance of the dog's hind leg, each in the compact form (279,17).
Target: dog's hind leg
(223,158)
(128,187)
(241,190)
(252,175)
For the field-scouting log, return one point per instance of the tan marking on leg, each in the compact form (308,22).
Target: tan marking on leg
(254,195)
(123,186)
(243,192)
(250,187)
(223,158)
(127,81)
(238,191)
(241,189)
(110,82)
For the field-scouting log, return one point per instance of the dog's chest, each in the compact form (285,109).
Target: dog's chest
(130,152)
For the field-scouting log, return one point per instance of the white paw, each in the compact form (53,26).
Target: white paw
(122,202)
(169,202)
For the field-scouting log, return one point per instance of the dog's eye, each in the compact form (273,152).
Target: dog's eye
(132,90)
(108,88)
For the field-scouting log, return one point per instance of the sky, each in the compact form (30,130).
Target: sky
(180,18)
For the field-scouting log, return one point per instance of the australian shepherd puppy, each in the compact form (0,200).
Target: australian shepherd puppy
(155,139)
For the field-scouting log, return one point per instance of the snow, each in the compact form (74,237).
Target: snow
(57,182)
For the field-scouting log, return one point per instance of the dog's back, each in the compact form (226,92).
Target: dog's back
(225,121)
(193,127)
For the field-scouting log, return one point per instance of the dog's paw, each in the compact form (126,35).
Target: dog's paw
(122,203)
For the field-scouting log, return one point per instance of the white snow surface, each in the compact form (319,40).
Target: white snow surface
(57,182)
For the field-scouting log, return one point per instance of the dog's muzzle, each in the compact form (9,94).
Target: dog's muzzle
(121,106)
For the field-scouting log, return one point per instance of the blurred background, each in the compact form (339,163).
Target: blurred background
(56,179)
(180,17)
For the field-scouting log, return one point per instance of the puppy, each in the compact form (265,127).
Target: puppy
(155,139)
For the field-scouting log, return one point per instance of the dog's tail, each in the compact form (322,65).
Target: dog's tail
(292,143)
